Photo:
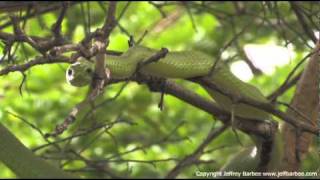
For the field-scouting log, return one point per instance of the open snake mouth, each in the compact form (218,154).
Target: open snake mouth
(69,75)
(70,72)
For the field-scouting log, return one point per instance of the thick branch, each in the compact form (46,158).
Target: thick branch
(305,101)
(261,105)
(249,126)
(22,161)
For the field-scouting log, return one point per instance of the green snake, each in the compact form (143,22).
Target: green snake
(180,65)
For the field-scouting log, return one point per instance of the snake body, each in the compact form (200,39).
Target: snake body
(182,65)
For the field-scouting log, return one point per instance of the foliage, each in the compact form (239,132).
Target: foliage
(133,120)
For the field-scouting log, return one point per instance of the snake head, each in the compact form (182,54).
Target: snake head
(80,73)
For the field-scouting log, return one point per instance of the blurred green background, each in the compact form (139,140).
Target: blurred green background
(143,134)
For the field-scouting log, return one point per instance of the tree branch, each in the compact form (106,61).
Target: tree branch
(193,157)
(263,106)
(23,162)
(303,23)
(34,62)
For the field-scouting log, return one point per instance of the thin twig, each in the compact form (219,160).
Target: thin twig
(302,21)
(191,158)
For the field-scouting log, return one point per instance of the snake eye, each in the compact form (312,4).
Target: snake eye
(70,72)
(89,71)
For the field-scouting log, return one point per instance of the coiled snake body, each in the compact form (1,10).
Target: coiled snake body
(182,65)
